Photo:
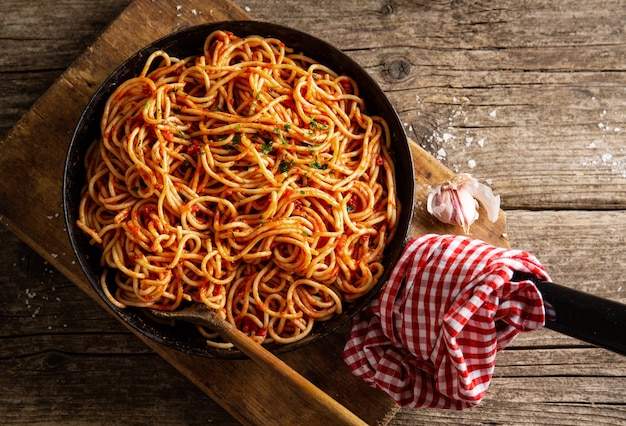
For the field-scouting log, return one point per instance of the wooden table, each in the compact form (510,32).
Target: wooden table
(529,96)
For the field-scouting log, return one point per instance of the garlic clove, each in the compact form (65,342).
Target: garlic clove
(440,205)
(486,197)
(466,208)
(456,201)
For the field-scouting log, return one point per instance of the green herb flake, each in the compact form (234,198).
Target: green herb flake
(267,146)
(280,136)
(317,165)
(284,166)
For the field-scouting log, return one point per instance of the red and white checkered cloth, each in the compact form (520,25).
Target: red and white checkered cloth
(431,338)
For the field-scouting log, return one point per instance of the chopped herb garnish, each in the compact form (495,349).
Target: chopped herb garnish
(267,147)
(284,166)
(314,124)
(317,165)
(280,136)
(236,140)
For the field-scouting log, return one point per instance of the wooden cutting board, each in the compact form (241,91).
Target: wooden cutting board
(32,159)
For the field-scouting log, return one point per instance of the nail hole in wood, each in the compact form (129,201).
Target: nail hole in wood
(397,69)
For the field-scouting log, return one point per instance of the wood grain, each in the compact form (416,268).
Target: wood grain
(39,141)
(529,93)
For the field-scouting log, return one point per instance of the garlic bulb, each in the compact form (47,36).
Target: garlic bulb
(456,201)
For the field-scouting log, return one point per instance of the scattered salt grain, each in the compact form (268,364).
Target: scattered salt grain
(447,137)
(492,113)
(471,164)
(247,8)
(481,142)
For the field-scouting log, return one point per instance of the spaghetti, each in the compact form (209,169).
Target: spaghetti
(249,179)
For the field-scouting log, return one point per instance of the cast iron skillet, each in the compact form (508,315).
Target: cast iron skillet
(186,43)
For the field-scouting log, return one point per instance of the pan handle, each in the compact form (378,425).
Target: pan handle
(592,319)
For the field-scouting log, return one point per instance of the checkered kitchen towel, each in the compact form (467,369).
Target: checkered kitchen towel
(431,338)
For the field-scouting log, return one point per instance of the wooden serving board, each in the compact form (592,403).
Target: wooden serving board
(32,160)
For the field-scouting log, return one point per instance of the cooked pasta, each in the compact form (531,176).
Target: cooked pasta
(248,178)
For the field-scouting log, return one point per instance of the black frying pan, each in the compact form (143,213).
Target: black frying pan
(186,43)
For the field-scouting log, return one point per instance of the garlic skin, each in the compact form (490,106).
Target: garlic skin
(456,201)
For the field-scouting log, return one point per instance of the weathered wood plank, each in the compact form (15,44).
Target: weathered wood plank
(497,412)
(581,249)
(39,41)
(555,88)
(48,34)
(532,93)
